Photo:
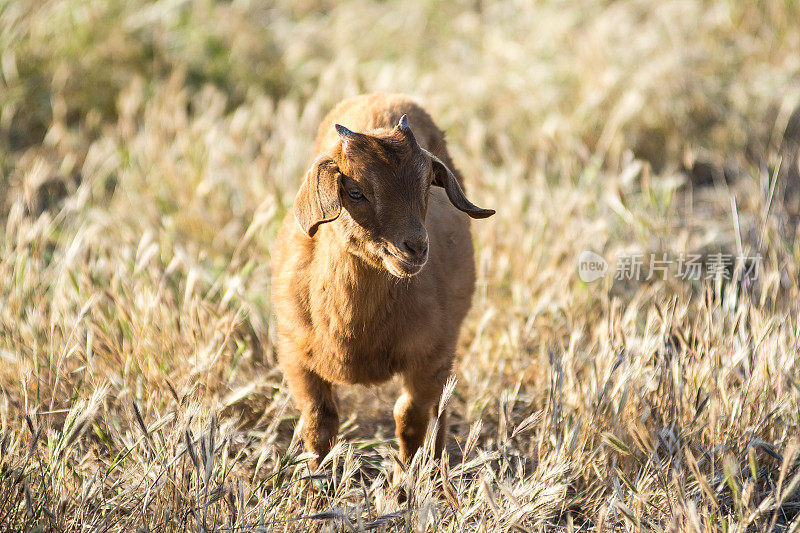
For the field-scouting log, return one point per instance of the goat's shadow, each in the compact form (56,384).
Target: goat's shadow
(368,427)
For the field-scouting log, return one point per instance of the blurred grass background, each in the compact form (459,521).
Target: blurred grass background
(148,151)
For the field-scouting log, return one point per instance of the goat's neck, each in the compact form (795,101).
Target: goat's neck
(355,289)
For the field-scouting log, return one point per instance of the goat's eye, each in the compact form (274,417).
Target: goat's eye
(355,194)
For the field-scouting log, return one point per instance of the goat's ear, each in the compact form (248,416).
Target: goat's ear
(444,177)
(317,201)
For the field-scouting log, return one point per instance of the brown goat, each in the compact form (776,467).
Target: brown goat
(373,269)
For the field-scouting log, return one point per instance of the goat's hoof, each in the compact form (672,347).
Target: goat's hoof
(402,496)
(399,480)
(317,480)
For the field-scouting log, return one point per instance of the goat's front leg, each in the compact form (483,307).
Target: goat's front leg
(419,401)
(315,398)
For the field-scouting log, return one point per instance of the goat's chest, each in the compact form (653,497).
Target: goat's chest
(371,342)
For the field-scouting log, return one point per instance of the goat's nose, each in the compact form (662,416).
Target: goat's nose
(417,248)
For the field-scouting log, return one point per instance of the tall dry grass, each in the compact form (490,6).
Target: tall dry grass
(149,150)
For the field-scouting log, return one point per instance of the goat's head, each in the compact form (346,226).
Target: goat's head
(376,189)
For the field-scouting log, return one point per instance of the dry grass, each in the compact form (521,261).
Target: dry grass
(148,151)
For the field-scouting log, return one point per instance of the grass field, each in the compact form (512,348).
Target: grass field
(149,150)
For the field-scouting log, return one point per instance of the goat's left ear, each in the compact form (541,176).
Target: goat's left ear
(317,201)
(444,177)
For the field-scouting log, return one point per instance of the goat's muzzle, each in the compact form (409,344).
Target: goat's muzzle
(406,262)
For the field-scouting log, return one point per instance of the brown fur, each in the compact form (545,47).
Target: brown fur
(349,311)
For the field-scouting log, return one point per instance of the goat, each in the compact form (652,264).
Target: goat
(373,268)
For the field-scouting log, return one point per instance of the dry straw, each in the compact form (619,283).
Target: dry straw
(149,150)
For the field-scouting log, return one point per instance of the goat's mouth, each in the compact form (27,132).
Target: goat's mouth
(400,267)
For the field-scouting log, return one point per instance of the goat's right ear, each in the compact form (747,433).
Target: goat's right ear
(317,201)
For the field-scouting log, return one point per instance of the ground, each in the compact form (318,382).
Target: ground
(148,152)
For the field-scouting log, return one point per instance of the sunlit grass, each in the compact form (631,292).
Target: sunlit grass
(148,152)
